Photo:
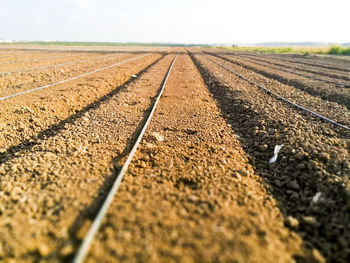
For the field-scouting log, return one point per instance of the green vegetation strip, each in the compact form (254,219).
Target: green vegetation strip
(333,50)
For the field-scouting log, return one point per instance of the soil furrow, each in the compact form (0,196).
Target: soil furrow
(329,109)
(19,56)
(18,65)
(313,60)
(341,78)
(310,179)
(316,88)
(190,194)
(25,117)
(18,82)
(50,186)
(201,187)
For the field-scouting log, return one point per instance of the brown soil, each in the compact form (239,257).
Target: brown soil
(338,63)
(49,183)
(18,82)
(314,159)
(307,70)
(25,117)
(193,196)
(200,188)
(324,90)
(37,61)
(329,109)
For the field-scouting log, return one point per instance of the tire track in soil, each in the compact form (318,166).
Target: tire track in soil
(315,158)
(192,196)
(46,186)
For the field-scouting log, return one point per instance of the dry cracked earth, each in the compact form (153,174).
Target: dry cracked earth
(200,187)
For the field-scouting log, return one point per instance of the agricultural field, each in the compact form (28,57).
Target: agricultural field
(304,50)
(170,154)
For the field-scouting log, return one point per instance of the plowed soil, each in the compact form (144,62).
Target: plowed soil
(325,90)
(200,187)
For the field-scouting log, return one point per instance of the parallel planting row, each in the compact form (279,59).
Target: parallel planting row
(329,79)
(200,187)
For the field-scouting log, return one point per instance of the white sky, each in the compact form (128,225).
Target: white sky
(183,21)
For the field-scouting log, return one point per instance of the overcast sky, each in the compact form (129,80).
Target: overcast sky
(184,21)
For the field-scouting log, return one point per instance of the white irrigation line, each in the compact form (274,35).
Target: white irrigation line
(282,98)
(54,66)
(85,246)
(70,79)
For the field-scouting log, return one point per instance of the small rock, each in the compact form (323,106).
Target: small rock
(278,183)
(158,136)
(193,198)
(325,157)
(68,249)
(263,147)
(237,176)
(149,145)
(16,193)
(294,196)
(317,257)
(293,185)
(134,76)
(271,131)
(300,166)
(310,221)
(261,133)
(127,235)
(43,250)
(346,165)
(312,165)
(23,199)
(292,222)
(316,198)
(300,156)
(242,172)
(218,229)
(23,110)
